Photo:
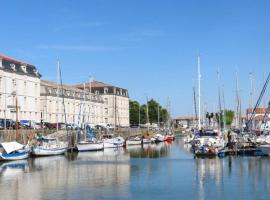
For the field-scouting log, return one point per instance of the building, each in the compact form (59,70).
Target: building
(19,82)
(116,102)
(70,104)
(261,115)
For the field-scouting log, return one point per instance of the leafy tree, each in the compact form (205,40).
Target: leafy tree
(134,107)
(153,108)
(229,114)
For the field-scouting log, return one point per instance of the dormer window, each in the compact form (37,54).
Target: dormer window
(36,72)
(23,67)
(13,67)
(96,92)
(106,90)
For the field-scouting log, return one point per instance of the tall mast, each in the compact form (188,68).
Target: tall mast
(251,95)
(219,101)
(90,96)
(224,109)
(147,114)
(158,114)
(58,84)
(84,112)
(199,91)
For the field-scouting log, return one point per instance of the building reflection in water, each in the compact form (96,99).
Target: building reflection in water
(83,176)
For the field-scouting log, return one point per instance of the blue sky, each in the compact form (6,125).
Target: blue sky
(146,46)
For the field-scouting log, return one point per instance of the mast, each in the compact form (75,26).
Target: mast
(90,96)
(58,84)
(219,101)
(224,108)
(84,112)
(147,114)
(139,115)
(158,114)
(199,91)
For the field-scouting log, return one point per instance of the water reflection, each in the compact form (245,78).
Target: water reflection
(149,150)
(159,171)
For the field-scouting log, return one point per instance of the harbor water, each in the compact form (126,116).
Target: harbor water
(154,171)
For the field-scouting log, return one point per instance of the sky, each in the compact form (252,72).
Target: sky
(149,47)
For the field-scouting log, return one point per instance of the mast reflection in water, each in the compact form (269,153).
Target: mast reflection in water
(155,171)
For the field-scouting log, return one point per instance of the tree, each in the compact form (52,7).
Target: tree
(153,108)
(134,107)
(229,115)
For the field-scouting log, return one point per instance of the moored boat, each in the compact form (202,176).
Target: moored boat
(134,141)
(49,147)
(13,151)
(90,146)
(109,141)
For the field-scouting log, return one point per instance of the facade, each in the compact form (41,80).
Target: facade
(261,115)
(19,82)
(57,100)
(116,102)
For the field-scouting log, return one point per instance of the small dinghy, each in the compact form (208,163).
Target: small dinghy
(206,151)
(13,151)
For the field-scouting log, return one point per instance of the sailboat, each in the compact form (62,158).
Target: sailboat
(47,146)
(89,144)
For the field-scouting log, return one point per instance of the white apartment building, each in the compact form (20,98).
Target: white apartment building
(116,102)
(69,104)
(19,81)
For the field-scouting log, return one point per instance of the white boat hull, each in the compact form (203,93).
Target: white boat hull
(113,142)
(133,142)
(90,146)
(39,151)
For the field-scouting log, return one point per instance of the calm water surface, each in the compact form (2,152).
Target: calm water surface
(163,171)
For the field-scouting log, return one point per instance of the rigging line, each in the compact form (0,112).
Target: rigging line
(259,100)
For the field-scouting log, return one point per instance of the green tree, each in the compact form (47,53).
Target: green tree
(153,108)
(229,114)
(134,107)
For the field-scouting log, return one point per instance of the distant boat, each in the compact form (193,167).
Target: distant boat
(110,141)
(49,147)
(90,146)
(13,151)
(134,141)
(265,149)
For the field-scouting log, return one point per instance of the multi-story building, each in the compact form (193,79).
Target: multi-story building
(116,102)
(19,82)
(69,104)
(21,89)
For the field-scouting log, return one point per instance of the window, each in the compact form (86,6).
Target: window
(23,67)
(14,82)
(0,83)
(106,111)
(106,90)
(97,92)
(106,101)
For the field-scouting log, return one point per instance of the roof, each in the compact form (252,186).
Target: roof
(13,60)
(19,67)
(258,110)
(93,84)
(55,85)
(185,118)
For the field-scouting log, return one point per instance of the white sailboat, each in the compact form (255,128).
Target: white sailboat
(109,141)
(47,146)
(92,144)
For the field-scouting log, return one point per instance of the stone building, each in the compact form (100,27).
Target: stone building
(19,81)
(116,102)
(56,100)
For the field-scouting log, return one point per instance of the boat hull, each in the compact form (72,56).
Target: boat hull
(113,142)
(265,149)
(133,142)
(90,146)
(14,156)
(37,151)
